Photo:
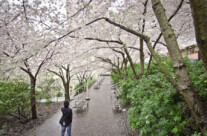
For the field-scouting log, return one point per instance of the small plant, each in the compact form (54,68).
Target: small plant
(196,134)
(47,102)
(48,89)
(59,94)
(79,88)
(3,128)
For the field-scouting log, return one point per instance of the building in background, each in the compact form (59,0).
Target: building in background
(192,52)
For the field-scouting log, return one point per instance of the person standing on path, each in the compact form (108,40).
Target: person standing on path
(66,119)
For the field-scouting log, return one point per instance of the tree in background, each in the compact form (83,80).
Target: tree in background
(183,85)
(48,88)
(65,76)
(33,78)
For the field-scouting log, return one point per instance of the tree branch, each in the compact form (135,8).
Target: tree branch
(43,62)
(160,35)
(24,7)
(81,9)
(76,13)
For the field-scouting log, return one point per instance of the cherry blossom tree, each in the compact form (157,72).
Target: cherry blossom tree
(183,85)
(31,33)
(65,76)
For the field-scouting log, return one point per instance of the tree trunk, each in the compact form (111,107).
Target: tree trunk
(125,67)
(199,13)
(119,71)
(184,85)
(131,63)
(67,89)
(141,58)
(141,42)
(32,98)
(160,35)
(150,60)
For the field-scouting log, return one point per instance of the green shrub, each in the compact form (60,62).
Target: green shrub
(40,95)
(115,77)
(198,77)
(154,68)
(47,89)
(126,87)
(196,134)
(15,98)
(47,102)
(3,128)
(59,94)
(91,82)
(79,88)
(153,110)
(157,109)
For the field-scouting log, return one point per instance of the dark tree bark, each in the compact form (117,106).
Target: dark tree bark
(67,87)
(67,90)
(106,60)
(124,62)
(131,63)
(32,97)
(199,13)
(125,66)
(184,85)
(33,88)
(141,42)
(32,91)
(141,58)
(33,79)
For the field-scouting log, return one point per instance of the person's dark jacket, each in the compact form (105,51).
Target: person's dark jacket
(67,116)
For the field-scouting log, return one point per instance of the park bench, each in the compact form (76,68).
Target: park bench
(115,87)
(96,86)
(81,104)
(116,106)
(98,83)
(115,95)
(101,80)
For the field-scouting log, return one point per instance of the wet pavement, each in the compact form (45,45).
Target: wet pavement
(97,120)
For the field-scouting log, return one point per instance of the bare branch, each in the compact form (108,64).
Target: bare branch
(80,9)
(76,13)
(160,43)
(24,7)
(100,40)
(133,47)
(43,62)
(14,18)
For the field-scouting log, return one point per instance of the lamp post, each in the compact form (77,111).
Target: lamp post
(87,92)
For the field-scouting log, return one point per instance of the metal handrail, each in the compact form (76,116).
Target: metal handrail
(84,86)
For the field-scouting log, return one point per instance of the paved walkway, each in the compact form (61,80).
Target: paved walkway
(97,120)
